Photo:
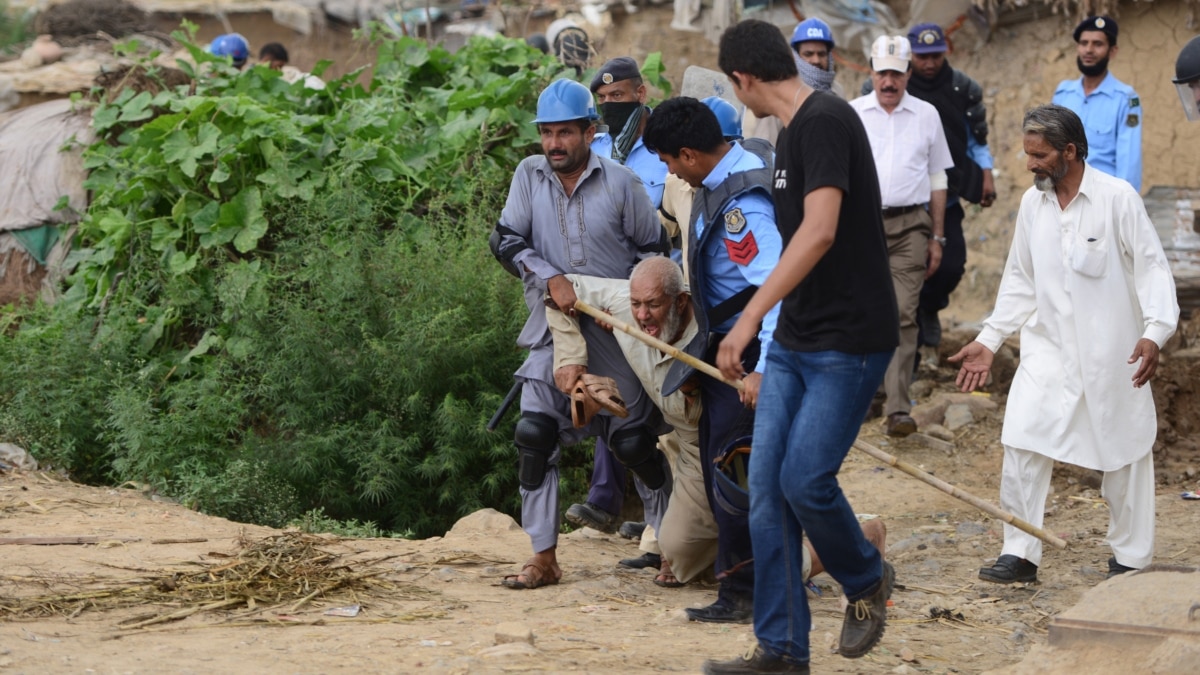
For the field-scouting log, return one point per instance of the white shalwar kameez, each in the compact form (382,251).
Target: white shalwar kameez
(1083,285)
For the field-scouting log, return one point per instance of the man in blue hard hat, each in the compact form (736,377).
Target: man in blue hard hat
(545,232)
(812,40)
(1110,109)
(232,45)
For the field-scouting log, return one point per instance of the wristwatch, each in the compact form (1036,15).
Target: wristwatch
(940,240)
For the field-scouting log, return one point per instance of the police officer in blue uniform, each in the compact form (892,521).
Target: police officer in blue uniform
(733,246)
(1110,109)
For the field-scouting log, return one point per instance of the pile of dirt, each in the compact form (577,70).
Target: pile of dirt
(80,18)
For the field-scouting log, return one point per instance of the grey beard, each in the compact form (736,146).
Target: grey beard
(821,80)
(1044,183)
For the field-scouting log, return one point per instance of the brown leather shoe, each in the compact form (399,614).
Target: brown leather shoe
(900,425)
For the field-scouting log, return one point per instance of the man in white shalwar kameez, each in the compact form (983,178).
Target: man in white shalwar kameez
(1088,286)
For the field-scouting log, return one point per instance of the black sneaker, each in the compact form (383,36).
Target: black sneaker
(1116,569)
(723,610)
(631,530)
(588,514)
(1010,569)
(643,561)
(865,618)
(757,661)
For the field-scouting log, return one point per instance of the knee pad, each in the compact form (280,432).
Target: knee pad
(638,450)
(536,436)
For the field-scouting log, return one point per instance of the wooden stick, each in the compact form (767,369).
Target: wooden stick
(985,506)
(982,505)
(656,343)
(64,541)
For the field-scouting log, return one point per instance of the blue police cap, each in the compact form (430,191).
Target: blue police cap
(1104,24)
(615,70)
(927,38)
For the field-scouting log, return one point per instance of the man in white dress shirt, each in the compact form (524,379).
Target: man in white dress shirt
(1088,286)
(911,156)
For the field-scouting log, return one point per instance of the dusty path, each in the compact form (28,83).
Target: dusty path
(600,619)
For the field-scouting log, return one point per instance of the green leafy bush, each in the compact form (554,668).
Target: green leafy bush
(282,299)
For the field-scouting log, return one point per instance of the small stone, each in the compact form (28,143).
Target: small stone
(513,631)
(511,650)
(1190,472)
(939,432)
(448,574)
(903,669)
(907,654)
(968,529)
(958,416)
(920,389)
(428,643)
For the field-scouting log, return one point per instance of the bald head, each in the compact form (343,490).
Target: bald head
(659,304)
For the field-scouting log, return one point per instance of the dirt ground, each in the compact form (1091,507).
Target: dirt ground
(438,603)
(445,604)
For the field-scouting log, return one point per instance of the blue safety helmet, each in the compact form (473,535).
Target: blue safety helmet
(727,115)
(565,100)
(731,475)
(232,45)
(812,30)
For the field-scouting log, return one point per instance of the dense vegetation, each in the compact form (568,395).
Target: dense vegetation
(283,304)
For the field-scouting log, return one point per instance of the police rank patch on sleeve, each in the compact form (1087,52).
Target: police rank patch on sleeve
(744,251)
(1131,120)
(735,222)
(1134,102)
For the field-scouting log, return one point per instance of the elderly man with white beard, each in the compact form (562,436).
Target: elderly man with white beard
(1088,286)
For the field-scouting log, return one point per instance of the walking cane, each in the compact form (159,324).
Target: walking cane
(982,505)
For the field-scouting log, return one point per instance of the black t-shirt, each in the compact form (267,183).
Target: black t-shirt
(847,302)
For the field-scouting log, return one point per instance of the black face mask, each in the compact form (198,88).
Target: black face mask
(617,114)
(1092,71)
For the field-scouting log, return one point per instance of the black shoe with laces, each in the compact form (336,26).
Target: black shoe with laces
(866,617)
(1009,569)
(753,663)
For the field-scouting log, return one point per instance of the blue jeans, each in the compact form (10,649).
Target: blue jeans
(810,408)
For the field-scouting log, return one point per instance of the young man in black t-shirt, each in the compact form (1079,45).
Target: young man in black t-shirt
(836,334)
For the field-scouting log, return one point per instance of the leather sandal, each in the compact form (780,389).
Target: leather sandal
(544,577)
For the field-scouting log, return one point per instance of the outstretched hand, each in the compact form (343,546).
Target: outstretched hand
(1147,351)
(976,364)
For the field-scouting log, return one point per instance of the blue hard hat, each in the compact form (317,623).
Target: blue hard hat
(812,30)
(727,115)
(731,474)
(232,45)
(565,100)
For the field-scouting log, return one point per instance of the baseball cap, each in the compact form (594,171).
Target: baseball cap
(890,52)
(927,38)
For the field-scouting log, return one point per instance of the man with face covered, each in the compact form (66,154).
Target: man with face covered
(1110,109)
(1089,288)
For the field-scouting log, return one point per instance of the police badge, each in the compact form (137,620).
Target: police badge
(735,222)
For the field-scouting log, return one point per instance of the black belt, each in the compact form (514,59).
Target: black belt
(893,211)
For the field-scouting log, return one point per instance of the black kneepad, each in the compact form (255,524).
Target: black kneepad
(536,436)
(638,450)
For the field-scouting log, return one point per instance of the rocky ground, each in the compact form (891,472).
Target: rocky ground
(437,606)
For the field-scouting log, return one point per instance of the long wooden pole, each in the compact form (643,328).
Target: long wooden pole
(982,505)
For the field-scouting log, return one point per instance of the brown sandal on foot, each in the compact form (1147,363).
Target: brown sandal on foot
(544,577)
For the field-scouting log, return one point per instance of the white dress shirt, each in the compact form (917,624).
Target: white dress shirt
(909,146)
(1083,285)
